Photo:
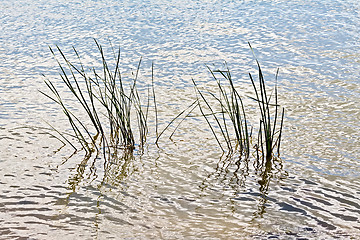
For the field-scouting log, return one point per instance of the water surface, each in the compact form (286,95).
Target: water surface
(184,189)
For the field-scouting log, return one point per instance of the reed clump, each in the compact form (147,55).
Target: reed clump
(110,103)
(270,122)
(232,107)
(225,114)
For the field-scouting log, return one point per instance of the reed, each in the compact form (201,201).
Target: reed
(231,107)
(110,103)
(227,119)
(231,120)
(269,136)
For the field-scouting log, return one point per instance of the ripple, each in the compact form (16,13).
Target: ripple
(185,189)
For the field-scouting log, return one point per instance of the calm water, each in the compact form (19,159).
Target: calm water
(184,189)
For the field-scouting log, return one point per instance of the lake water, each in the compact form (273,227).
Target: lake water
(184,189)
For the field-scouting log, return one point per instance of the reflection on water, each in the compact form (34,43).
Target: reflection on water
(150,195)
(240,174)
(185,189)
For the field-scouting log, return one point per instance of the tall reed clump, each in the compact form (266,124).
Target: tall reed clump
(109,101)
(228,121)
(269,136)
(231,107)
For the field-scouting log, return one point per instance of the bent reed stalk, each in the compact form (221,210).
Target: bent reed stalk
(108,105)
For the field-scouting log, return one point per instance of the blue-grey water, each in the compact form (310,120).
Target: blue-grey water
(183,189)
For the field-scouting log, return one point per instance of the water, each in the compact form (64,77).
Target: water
(183,190)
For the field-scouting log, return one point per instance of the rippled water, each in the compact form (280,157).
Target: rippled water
(185,189)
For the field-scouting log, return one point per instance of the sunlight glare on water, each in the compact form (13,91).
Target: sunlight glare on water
(185,188)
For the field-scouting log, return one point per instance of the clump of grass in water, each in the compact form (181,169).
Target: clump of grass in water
(269,132)
(107,104)
(269,136)
(232,108)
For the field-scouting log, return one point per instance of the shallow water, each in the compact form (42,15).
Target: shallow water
(184,189)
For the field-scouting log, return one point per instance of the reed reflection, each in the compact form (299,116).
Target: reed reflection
(118,166)
(244,174)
